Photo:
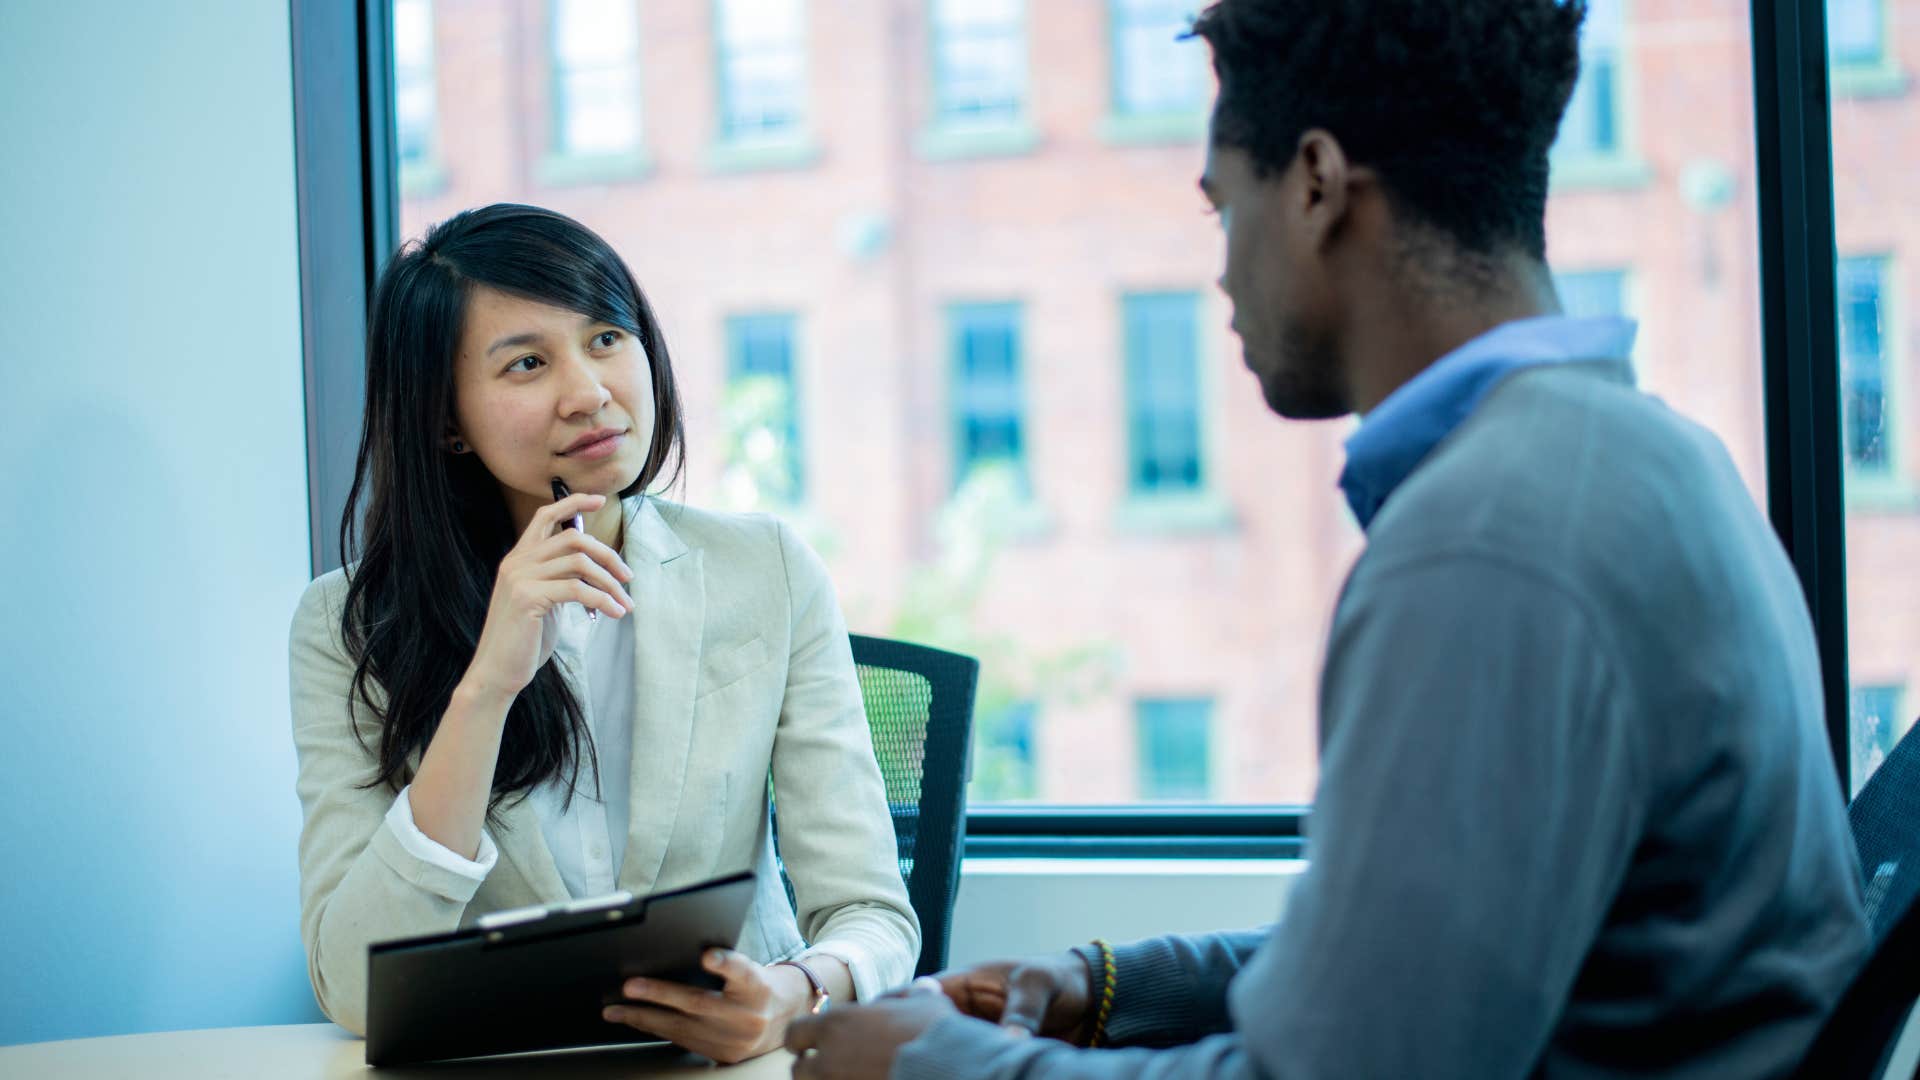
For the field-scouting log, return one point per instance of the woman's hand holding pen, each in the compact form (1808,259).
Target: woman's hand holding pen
(549,566)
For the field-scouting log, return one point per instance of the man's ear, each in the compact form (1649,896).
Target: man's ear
(1325,184)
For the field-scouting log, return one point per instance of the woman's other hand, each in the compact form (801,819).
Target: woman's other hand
(745,1018)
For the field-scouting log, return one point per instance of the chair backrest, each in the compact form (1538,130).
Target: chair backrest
(919,704)
(1860,1035)
(920,709)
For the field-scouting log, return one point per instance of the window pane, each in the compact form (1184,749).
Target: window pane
(1163,393)
(987,400)
(413,93)
(1154,71)
(762,56)
(1877,231)
(1591,128)
(596,76)
(1877,722)
(1175,747)
(1005,761)
(764,453)
(1853,30)
(980,61)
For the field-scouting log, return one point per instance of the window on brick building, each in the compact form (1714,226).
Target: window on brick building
(1005,761)
(1864,389)
(1590,293)
(596,77)
(414,98)
(1877,721)
(1593,125)
(762,56)
(979,62)
(1856,32)
(1175,747)
(989,410)
(761,411)
(1164,442)
(1155,72)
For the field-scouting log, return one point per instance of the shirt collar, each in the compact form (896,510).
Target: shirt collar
(1399,433)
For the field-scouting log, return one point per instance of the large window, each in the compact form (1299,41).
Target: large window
(992,361)
(1164,451)
(979,62)
(596,77)
(762,57)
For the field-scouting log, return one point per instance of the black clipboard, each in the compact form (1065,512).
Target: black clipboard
(536,978)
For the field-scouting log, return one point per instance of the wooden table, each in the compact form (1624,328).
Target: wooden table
(324,1051)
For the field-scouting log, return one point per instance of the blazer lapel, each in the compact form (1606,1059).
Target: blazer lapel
(669,598)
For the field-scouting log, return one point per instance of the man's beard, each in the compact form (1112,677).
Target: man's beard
(1304,381)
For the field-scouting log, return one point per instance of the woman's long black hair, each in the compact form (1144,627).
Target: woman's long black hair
(435,523)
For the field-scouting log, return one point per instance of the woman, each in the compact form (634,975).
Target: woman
(470,738)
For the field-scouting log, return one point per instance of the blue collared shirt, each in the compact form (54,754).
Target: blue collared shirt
(1399,433)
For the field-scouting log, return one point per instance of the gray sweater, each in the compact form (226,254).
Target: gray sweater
(1577,816)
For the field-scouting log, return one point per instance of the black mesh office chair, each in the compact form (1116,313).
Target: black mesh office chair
(920,709)
(1859,1037)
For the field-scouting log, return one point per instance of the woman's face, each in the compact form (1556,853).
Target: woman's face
(542,391)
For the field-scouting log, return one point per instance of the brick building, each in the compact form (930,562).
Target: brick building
(899,243)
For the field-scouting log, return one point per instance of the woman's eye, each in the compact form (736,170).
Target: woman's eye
(525,363)
(607,339)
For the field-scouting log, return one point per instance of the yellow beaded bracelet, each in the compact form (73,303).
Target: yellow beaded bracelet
(1108,978)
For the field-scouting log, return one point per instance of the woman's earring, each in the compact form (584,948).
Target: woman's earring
(459,447)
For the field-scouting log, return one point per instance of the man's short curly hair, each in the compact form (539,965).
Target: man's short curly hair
(1454,103)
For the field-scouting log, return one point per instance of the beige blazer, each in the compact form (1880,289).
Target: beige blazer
(742,665)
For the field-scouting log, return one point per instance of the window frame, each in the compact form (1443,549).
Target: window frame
(345,158)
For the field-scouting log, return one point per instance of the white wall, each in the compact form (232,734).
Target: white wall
(155,539)
(1018,907)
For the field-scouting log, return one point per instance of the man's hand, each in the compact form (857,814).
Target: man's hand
(859,1042)
(1045,995)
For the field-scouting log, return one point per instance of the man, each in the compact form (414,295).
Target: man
(1576,814)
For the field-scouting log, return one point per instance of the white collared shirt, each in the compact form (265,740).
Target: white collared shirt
(588,838)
